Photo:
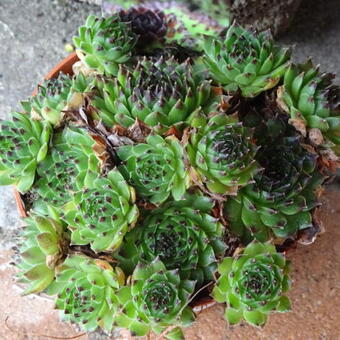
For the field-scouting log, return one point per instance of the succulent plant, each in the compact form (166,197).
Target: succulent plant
(285,191)
(182,234)
(246,60)
(252,284)
(71,164)
(222,153)
(160,93)
(156,299)
(44,247)
(312,100)
(87,289)
(102,212)
(56,95)
(23,145)
(104,43)
(155,168)
(149,25)
(50,99)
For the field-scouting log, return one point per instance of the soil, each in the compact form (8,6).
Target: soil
(315,297)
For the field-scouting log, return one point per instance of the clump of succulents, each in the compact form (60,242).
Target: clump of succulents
(161,170)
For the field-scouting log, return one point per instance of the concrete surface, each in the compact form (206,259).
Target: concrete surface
(32,38)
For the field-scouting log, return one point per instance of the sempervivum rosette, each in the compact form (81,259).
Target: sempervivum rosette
(50,100)
(156,299)
(149,25)
(160,93)
(56,95)
(246,60)
(155,168)
(101,213)
(104,43)
(222,153)
(313,102)
(86,291)
(23,145)
(44,247)
(280,201)
(252,284)
(71,164)
(182,235)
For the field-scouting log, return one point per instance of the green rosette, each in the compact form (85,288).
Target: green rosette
(182,234)
(44,247)
(155,169)
(246,60)
(86,291)
(72,163)
(222,154)
(23,145)
(312,100)
(156,299)
(252,284)
(101,213)
(104,43)
(280,201)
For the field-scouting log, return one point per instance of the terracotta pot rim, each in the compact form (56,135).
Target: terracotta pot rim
(65,66)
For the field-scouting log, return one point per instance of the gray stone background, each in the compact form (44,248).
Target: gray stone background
(33,34)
